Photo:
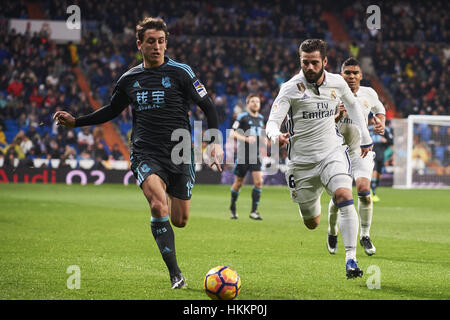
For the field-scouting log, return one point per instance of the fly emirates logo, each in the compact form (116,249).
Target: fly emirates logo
(322,112)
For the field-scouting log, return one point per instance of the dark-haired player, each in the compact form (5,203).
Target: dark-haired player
(381,141)
(247,131)
(159,91)
(317,158)
(361,167)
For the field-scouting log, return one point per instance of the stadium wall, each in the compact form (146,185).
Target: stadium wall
(81,176)
(100,176)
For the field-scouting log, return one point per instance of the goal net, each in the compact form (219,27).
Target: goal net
(422,152)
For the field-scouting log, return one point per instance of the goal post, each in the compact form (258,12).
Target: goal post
(421,152)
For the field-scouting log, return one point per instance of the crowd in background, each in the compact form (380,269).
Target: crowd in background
(410,52)
(234,47)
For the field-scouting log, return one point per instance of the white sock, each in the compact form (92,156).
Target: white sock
(333,219)
(348,224)
(365,209)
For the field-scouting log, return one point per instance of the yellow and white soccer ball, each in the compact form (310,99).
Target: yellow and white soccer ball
(222,283)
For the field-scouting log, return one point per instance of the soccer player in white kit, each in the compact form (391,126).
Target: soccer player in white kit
(317,156)
(361,167)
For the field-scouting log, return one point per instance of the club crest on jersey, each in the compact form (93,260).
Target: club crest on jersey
(333,94)
(166,82)
(293,194)
(200,88)
(301,87)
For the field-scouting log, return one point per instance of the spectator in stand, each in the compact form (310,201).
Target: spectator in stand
(99,150)
(22,121)
(446,162)
(416,73)
(69,152)
(52,79)
(115,153)
(84,139)
(418,165)
(50,99)
(421,152)
(53,149)
(36,98)
(70,137)
(15,148)
(15,87)
(10,159)
(3,142)
(26,145)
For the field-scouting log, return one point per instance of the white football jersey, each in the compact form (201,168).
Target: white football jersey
(311,110)
(369,102)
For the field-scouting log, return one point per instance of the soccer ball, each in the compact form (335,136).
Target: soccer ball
(222,283)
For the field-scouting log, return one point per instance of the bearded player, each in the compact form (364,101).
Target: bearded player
(317,158)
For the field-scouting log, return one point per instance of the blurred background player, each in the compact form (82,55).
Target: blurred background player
(159,91)
(317,157)
(361,167)
(247,131)
(380,143)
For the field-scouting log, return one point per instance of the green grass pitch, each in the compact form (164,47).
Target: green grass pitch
(105,231)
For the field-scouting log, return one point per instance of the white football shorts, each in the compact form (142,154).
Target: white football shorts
(307,181)
(362,167)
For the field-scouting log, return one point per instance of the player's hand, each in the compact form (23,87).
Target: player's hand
(378,126)
(284,138)
(65,119)
(216,155)
(341,111)
(251,139)
(365,151)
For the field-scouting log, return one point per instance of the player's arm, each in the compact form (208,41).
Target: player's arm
(388,136)
(379,123)
(210,112)
(379,111)
(197,92)
(278,113)
(216,150)
(340,112)
(119,101)
(234,134)
(355,112)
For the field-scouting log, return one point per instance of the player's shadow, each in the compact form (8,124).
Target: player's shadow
(400,293)
(412,260)
(195,290)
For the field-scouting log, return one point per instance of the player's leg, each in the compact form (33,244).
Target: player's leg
(239,172)
(348,222)
(306,188)
(179,190)
(311,213)
(179,211)
(336,177)
(333,229)
(365,210)
(362,172)
(256,194)
(154,189)
(375,180)
(348,218)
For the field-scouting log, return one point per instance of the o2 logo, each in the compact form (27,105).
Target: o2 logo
(84,179)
